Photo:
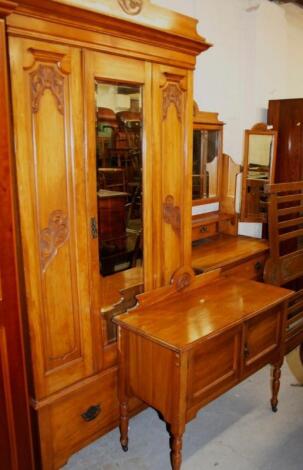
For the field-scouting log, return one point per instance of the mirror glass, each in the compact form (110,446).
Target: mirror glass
(259,156)
(259,169)
(206,148)
(119,183)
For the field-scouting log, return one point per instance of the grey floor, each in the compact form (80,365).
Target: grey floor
(238,431)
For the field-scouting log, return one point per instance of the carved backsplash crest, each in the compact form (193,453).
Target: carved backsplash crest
(53,237)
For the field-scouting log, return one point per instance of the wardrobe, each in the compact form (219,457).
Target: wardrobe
(58,51)
(286,116)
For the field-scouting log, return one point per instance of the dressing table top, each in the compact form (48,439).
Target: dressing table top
(195,315)
(222,250)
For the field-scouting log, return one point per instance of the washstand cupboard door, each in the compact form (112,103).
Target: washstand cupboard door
(48,125)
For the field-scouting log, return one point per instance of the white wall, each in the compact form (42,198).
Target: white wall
(257,55)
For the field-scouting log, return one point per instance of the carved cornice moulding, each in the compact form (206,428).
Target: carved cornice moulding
(134,19)
(7,7)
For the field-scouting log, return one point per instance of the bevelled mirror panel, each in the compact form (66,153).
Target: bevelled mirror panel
(119,178)
(206,148)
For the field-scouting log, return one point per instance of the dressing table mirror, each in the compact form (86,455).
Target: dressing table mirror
(260,149)
(213,179)
(207,157)
(215,239)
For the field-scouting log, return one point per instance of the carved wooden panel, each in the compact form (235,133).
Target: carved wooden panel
(172,180)
(47,77)
(172,95)
(53,237)
(49,132)
(171,213)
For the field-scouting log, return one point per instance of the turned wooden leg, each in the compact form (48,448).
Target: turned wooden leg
(276,374)
(124,426)
(176,451)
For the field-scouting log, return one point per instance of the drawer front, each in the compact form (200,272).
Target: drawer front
(203,231)
(74,420)
(251,269)
(214,367)
(80,416)
(261,339)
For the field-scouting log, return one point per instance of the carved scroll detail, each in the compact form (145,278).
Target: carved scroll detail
(172,94)
(131,7)
(53,237)
(47,77)
(172,213)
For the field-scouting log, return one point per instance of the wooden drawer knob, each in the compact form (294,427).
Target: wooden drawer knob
(246,350)
(91,413)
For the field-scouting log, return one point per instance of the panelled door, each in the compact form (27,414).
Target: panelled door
(118,134)
(48,122)
(124,96)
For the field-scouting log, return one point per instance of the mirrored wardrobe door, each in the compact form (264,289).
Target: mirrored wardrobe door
(118,99)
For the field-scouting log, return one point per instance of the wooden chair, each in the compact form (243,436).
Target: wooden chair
(285,264)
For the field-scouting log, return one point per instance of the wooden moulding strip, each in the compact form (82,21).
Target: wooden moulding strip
(114,26)
(7,7)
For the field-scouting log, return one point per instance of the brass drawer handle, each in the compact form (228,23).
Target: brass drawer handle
(246,350)
(91,413)
(258,266)
(203,229)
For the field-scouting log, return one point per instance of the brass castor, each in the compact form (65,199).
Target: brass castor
(274,408)
(125,447)
(295,363)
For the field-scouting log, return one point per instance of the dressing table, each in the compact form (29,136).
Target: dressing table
(188,343)
(215,239)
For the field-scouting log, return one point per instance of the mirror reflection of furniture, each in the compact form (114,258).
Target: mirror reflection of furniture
(260,149)
(207,156)
(119,177)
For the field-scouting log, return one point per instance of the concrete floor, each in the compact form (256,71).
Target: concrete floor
(238,431)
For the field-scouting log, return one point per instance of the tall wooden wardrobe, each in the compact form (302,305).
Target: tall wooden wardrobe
(57,49)
(286,116)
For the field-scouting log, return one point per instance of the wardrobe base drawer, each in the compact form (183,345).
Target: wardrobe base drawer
(76,418)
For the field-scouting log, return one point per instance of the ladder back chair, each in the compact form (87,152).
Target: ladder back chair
(285,264)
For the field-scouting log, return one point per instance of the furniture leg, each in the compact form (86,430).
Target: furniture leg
(276,374)
(124,418)
(176,451)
